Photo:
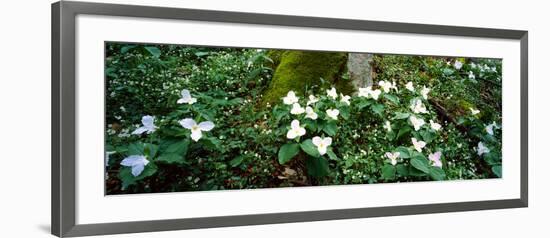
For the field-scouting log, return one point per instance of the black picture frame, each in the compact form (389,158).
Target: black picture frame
(64,107)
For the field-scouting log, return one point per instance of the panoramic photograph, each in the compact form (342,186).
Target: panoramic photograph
(183,118)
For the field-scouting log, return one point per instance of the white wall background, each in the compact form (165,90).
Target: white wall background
(25,116)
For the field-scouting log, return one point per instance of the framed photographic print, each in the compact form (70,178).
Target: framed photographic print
(168,118)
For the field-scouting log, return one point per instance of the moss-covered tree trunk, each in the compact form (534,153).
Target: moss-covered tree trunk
(301,70)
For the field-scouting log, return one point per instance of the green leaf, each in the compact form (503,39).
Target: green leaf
(401,116)
(308,147)
(415,172)
(403,131)
(392,98)
(497,169)
(154,51)
(127,48)
(211,143)
(330,128)
(402,170)
(421,163)
(172,158)
(287,152)
(201,54)
(179,147)
(404,152)
(331,154)
(317,167)
(388,172)
(363,103)
(127,178)
(236,161)
(427,136)
(135,149)
(150,150)
(378,108)
(344,112)
(437,173)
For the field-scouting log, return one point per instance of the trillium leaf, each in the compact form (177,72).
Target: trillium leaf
(125,174)
(344,112)
(330,128)
(363,103)
(392,98)
(287,152)
(236,161)
(404,152)
(150,150)
(497,169)
(171,158)
(388,172)
(402,170)
(331,154)
(378,108)
(427,136)
(308,147)
(421,163)
(403,131)
(154,51)
(437,173)
(135,149)
(317,167)
(401,115)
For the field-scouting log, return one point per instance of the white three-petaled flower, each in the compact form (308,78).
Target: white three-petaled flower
(418,107)
(196,129)
(290,98)
(186,97)
(312,100)
(333,113)
(474,111)
(387,86)
(418,144)
(310,113)
(297,109)
(295,130)
(137,162)
(471,75)
(332,93)
(482,149)
(436,159)
(416,122)
(458,65)
(434,125)
(387,125)
(489,128)
(368,92)
(409,86)
(345,99)
(148,125)
(322,144)
(425,92)
(393,157)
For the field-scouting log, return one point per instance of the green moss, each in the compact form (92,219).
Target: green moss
(298,70)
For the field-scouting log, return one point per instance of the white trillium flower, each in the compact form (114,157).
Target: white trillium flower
(418,107)
(387,126)
(393,157)
(312,100)
(490,128)
(482,149)
(418,144)
(148,125)
(416,122)
(375,94)
(436,159)
(471,75)
(290,98)
(333,113)
(295,130)
(310,113)
(409,86)
(364,92)
(322,144)
(137,162)
(186,97)
(345,99)
(458,65)
(434,125)
(387,86)
(425,92)
(196,129)
(473,65)
(332,93)
(297,109)
(474,111)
